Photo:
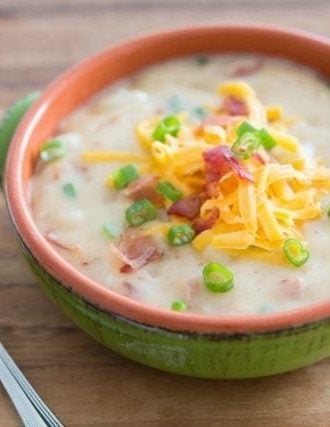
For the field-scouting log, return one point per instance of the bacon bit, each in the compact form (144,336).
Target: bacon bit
(144,188)
(191,291)
(242,70)
(52,238)
(56,175)
(84,170)
(188,207)
(259,158)
(159,111)
(219,161)
(210,190)
(202,224)
(235,106)
(128,288)
(126,269)
(292,288)
(135,250)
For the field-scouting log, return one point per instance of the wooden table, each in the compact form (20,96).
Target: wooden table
(85,384)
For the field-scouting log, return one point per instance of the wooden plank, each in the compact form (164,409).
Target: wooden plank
(38,43)
(84,383)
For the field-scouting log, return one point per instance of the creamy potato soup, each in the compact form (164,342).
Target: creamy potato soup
(197,185)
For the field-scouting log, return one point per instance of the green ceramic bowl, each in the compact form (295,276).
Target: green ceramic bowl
(203,346)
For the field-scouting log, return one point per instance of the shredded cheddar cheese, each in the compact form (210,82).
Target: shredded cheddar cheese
(236,88)
(112,156)
(274,112)
(285,190)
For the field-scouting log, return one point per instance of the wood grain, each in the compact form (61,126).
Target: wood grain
(82,382)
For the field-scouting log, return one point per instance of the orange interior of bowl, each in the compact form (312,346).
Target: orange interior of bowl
(74,87)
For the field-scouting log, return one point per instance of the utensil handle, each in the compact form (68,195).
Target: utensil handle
(28,414)
(48,416)
(8,126)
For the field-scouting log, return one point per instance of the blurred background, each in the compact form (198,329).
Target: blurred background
(40,38)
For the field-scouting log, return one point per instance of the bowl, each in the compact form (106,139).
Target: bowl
(241,346)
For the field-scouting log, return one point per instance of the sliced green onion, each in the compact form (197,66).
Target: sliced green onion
(167,190)
(200,113)
(180,235)
(245,127)
(69,190)
(202,59)
(110,230)
(169,125)
(217,277)
(265,308)
(140,212)
(266,139)
(295,252)
(52,150)
(176,104)
(124,176)
(246,145)
(179,305)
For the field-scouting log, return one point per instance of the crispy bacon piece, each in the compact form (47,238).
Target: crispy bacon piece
(292,288)
(210,190)
(235,106)
(144,188)
(135,250)
(202,224)
(127,288)
(127,268)
(188,207)
(219,161)
(242,70)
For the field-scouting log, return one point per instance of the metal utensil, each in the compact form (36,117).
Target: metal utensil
(32,410)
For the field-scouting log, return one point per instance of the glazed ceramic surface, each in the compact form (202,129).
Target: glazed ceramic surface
(211,347)
(223,356)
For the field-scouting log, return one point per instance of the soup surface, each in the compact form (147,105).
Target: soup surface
(199,184)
